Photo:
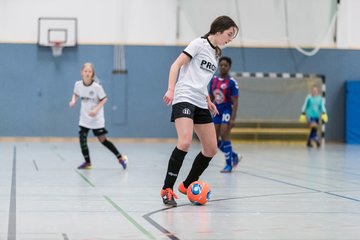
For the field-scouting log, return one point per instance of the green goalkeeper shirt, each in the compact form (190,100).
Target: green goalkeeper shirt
(313,106)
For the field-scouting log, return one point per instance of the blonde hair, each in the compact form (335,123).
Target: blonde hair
(89,64)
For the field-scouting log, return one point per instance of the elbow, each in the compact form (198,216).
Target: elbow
(174,67)
(104,100)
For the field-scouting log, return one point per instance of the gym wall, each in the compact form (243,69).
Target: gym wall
(36,87)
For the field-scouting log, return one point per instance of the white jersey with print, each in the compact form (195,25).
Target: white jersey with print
(194,77)
(90,96)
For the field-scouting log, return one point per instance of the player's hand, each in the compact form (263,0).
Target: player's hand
(324,118)
(93,113)
(213,108)
(169,96)
(71,104)
(302,118)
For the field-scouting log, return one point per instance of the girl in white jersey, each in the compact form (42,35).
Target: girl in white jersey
(187,91)
(93,98)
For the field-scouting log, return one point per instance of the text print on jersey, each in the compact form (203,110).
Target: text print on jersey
(88,99)
(208,66)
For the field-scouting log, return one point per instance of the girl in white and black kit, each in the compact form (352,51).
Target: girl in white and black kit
(93,98)
(191,105)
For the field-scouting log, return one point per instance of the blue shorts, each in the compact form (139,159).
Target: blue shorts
(224,115)
(313,120)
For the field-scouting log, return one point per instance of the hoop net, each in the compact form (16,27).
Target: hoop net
(57,48)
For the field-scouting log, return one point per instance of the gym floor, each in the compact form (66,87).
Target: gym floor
(279,191)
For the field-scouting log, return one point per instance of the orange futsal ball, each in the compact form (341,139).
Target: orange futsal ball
(199,192)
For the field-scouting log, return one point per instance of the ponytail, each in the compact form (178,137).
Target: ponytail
(218,52)
(220,24)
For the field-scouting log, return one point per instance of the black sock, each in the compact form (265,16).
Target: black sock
(109,145)
(84,147)
(200,163)
(86,155)
(175,163)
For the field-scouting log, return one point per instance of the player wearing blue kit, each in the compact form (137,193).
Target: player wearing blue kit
(224,92)
(313,109)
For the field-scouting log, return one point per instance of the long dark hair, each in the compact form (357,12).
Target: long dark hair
(220,24)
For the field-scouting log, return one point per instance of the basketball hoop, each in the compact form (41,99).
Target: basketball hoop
(57,49)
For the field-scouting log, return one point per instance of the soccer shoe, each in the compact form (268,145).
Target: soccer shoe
(317,143)
(168,197)
(85,165)
(123,161)
(236,159)
(182,188)
(227,169)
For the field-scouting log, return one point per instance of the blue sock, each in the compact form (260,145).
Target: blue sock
(313,133)
(228,152)
(221,145)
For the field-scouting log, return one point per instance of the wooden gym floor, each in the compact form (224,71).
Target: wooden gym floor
(279,191)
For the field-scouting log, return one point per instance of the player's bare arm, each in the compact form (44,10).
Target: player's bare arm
(73,100)
(173,74)
(96,109)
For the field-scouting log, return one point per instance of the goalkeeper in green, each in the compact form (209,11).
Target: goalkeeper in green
(312,112)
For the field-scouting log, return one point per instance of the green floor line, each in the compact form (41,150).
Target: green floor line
(119,209)
(85,178)
(130,219)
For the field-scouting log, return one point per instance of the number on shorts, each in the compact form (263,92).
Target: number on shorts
(226,117)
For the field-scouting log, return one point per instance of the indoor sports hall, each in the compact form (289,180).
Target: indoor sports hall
(294,180)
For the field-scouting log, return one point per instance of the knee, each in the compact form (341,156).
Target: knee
(224,137)
(102,139)
(184,145)
(83,141)
(224,134)
(210,151)
(82,137)
(82,134)
(213,151)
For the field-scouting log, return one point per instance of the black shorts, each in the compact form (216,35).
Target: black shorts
(97,132)
(188,110)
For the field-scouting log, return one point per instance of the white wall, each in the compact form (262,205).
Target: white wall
(99,21)
(263,22)
(348,24)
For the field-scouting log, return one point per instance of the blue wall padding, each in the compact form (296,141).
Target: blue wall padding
(352,125)
(35,87)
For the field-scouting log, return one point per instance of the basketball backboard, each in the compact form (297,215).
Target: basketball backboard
(52,31)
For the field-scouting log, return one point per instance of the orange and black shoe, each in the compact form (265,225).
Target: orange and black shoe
(182,188)
(168,197)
